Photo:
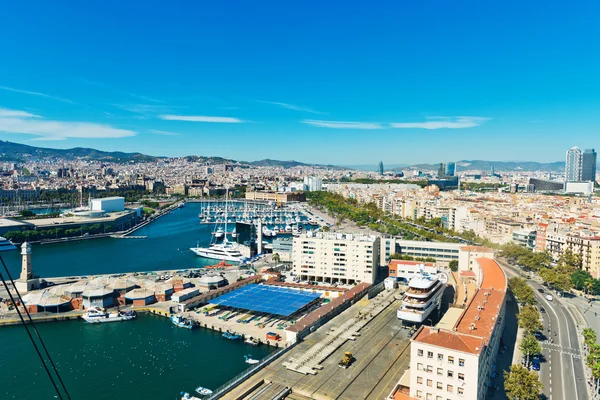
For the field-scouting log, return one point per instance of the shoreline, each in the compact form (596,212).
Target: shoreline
(76,315)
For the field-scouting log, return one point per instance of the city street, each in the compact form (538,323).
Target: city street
(562,369)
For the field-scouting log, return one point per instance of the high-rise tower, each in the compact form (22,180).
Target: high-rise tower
(573,165)
(380,167)
(588,165)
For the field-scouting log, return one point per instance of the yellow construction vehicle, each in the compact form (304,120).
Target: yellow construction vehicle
(346,361)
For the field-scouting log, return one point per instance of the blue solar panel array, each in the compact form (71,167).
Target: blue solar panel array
(266,299)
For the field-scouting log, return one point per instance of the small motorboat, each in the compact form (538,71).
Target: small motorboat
(187,396)
(203,391)
(231,335)
(182,322)
(249,360)
(251,341)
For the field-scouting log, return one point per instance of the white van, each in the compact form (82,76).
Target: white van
(548,297)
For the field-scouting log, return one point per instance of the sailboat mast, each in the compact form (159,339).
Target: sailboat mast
(225,230)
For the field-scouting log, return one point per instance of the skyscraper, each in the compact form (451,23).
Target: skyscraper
(442,171)
(380,167)
(573,165)
(450,169)
(588,165)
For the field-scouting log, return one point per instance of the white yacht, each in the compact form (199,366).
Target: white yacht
(422,297)
(6,245)
(96,315)
(220,251)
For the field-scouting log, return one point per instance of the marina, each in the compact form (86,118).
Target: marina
(166,246)
(115,267)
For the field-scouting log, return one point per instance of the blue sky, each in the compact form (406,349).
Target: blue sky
(326,82)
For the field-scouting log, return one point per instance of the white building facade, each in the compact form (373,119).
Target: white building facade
(336,257)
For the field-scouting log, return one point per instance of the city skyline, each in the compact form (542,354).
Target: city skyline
(404,84)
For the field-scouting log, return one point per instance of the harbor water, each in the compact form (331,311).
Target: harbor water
(166,247)
(148,358)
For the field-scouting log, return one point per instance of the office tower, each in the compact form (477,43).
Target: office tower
(380,167)
(588,165)
(573,165)
(492,171)
(442,171)
(450,169)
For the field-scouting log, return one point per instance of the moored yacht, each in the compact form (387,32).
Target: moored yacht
(96,315)
(422,297)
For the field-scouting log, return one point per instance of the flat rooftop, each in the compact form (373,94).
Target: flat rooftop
(9,223)
(45,222)
(267,299)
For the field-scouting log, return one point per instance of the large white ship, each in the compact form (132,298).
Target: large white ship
(422,297)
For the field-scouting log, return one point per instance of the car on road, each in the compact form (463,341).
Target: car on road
(548,297)
(539,335)
(535,363)
(542,310)
(541,290)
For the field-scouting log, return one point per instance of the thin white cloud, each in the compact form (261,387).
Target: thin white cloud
(14,121)
(10,89)
(442,123)
(146,109)
(137,96)
(6,113)
(292,107)
(201,118)
(165,133)
(343,124)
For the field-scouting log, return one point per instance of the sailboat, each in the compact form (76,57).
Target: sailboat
(221,251)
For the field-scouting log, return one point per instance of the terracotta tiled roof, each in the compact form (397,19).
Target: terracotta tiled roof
(447,339)
(476,324)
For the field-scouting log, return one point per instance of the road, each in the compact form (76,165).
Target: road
(562,371)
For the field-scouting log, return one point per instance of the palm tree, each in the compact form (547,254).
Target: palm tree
(276,257)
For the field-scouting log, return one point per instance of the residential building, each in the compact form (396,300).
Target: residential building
(588,249)
(525,237)
(457,363)
(336,257)
(573,165)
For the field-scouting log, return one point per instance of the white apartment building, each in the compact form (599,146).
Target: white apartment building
(457,363)
(336,257)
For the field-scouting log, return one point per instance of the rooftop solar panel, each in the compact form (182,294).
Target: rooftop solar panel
(267,299)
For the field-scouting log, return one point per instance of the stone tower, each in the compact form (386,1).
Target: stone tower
(26,273)
(26,281)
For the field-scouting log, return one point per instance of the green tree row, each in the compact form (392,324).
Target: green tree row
(32,235)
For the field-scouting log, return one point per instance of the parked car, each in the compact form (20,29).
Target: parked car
(535,363)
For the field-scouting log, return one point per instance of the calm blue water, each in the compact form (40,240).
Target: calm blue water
(166,247)
(148,358)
